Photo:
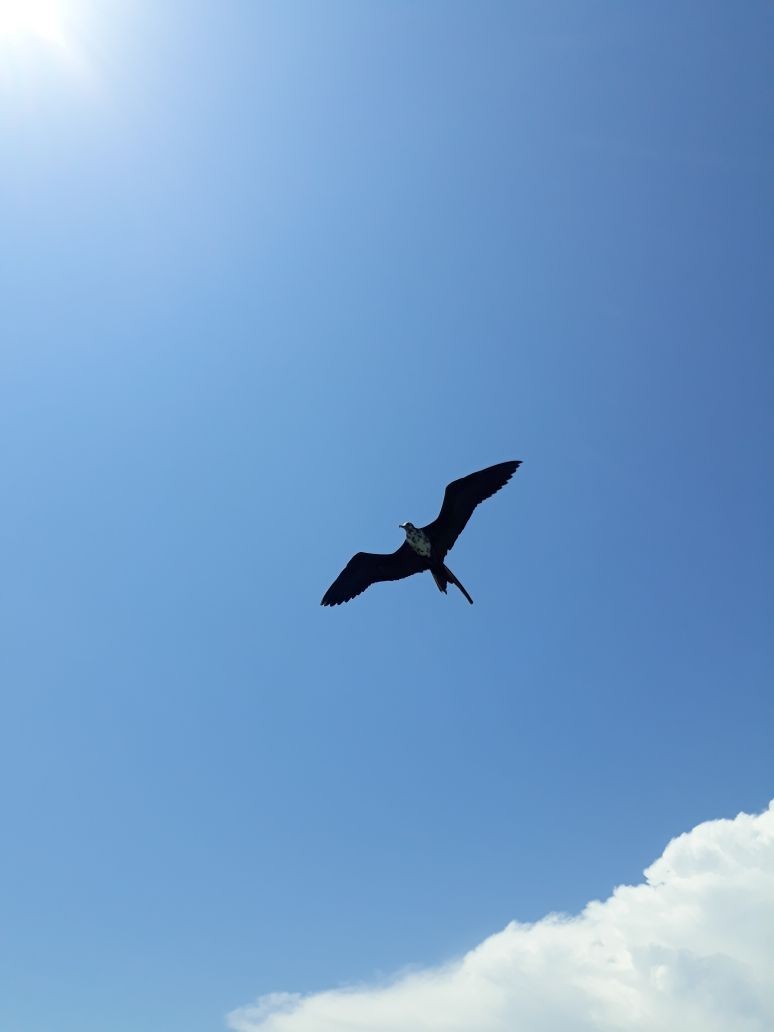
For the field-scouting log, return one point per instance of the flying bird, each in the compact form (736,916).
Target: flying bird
(425,548)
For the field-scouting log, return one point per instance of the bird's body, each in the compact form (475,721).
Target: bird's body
(418,540)
(425,548)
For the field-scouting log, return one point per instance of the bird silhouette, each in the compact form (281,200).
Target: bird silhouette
(425,548)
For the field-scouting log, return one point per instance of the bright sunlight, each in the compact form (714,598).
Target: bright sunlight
(40,19)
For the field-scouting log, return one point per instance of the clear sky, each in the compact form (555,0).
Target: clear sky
(271,275)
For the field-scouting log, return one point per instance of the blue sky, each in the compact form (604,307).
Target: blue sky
(271,275)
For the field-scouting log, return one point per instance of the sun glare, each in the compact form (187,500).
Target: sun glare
(40,19)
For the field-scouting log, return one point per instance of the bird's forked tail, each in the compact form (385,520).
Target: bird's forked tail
(444,577)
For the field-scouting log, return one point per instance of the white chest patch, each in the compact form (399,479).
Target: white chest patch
(419,541)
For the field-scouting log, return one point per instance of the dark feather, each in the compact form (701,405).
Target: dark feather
(366,568)
(460,499)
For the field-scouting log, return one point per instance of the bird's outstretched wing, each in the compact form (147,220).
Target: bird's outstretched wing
(366,568)
(460,499)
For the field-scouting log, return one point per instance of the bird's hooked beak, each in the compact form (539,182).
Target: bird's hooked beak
(402,526)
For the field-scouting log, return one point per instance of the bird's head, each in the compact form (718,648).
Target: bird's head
(406,526)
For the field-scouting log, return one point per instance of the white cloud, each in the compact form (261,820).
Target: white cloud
(691,949)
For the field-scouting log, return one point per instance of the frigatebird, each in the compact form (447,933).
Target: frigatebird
(425,548)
